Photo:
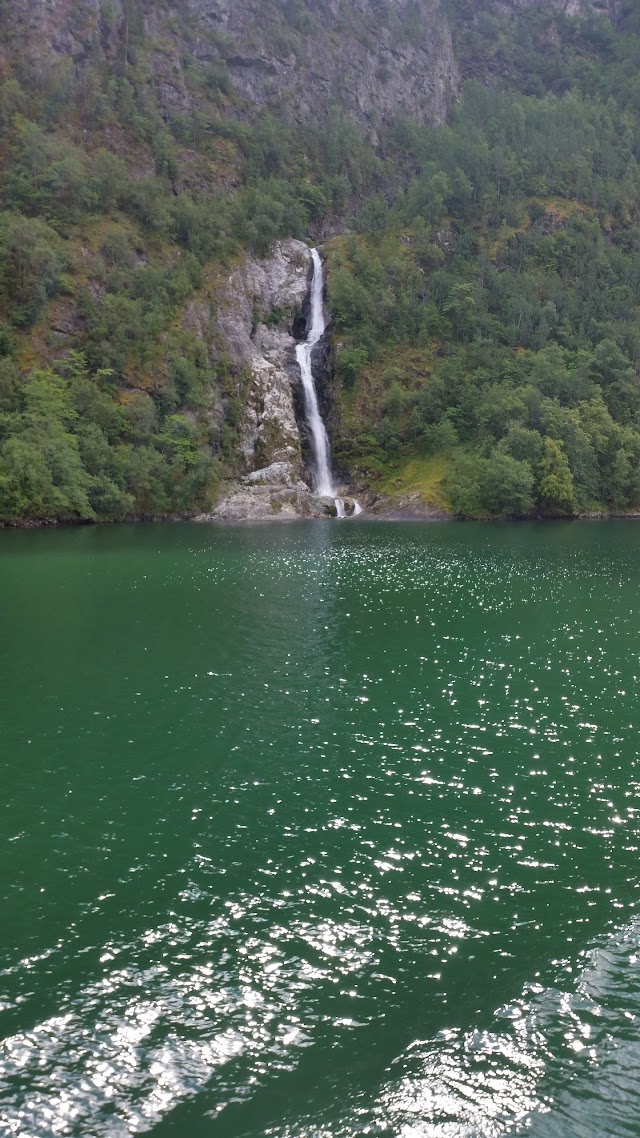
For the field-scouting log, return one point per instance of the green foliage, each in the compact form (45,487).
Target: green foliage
(499,486)
(500,254)
(70,452)
(350,362)
(32,262)
(510,260)
(556,481)
(41,472)
(439,438)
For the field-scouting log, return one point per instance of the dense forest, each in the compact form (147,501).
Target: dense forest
(488,310)
(484,286)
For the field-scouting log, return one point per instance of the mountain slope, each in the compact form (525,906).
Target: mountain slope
(149,149)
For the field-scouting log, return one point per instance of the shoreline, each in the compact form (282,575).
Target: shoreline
(399,516)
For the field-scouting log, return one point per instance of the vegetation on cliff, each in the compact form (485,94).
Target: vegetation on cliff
(485,298)
(488,313)
(112,213)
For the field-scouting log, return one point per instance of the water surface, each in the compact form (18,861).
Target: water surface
(320,830)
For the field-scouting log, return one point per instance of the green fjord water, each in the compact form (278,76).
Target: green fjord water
(320,830)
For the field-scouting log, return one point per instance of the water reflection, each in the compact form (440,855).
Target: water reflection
(350,846)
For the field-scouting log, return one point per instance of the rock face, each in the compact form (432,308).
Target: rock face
(257,309)
(612,9)
(274,493)
(373,59)
(39,29)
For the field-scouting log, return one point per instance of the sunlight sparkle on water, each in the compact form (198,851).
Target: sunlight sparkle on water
(351,848)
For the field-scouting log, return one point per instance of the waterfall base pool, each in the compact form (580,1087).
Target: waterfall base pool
(321,831)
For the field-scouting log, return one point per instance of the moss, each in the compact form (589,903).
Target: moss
(424,476)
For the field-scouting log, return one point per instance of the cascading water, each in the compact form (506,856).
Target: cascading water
(321,454)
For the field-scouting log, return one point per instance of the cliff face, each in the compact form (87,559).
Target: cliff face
(256,310)
(39,29)
(256,291)
(373,60)
(612,9)
(173,89)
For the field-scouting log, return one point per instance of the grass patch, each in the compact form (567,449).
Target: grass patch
(424,476)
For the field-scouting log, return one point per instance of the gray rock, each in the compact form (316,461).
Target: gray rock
(282,474)
(328,507)
(407,507)
(373,65)
(612,9)
(265,503)
(256,289)
(350,506)
(45,28)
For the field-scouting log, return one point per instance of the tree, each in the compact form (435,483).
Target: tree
(141,417)
(523,444)
(41,471)
(108,178)
(459,306)
(618,486)
(350,363)
(506,487)
(26,488)
(31,263)
(463,485)
(374,215)
(499,408)
(499,486)
(147,477)
(555,486)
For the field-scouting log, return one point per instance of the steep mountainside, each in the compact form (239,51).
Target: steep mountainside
(161,160)
(373,59)
(580,9)
(148,149)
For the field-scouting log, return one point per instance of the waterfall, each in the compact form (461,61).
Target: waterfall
(320,452)
(323,482)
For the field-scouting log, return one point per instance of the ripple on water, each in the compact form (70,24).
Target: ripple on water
(353,850)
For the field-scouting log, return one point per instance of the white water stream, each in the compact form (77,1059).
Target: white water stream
(320,451)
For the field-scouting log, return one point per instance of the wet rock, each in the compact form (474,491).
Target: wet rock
(351,507)
(328,507)
(256,291)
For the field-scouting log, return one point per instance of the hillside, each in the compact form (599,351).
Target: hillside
(471,173)
(488,318)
